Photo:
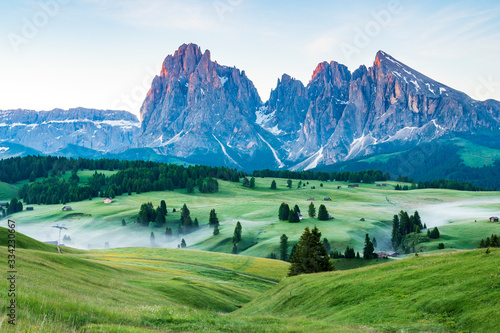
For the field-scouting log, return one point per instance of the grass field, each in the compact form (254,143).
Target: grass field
(457,292)
(92,223)
(171,290)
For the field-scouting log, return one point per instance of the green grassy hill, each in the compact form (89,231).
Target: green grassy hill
(158,290)
(435,293)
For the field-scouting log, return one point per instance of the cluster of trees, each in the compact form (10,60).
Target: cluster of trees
(132,176)
(309,255)
(367,176)
(292,215)
(186,223)
(149,216)
(493,241)
(404,224)
(348,254)
(440,183)
(55,191)
(249,183)
(287,214)
(369,249)
(13,207)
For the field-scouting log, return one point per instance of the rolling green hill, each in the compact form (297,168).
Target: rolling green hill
(435,293)
(153,290)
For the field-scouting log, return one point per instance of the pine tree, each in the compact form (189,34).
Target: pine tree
(213,220)
(368,249)
(196,224)
(296,209)
(252,182)
(246,182)
(216,230)
(123,222)
(323,213)
(235,249)
(326,243)
(273,185)
(374,242)
(163,207)
(293,217)
(310,255)
(283,212)
(434,233)
(190,186)
(284,247)
(183,243)
(418,220)
(312,210)
(289,183)
(237,233)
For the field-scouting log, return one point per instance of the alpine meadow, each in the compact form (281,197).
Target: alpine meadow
(325,166)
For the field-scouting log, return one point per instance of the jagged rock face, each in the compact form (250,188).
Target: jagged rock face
(51,131)
(202,112)
(196,105)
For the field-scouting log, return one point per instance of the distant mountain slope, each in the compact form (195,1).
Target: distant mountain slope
(52,131)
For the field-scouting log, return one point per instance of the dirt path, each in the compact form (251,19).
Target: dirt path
(200,265)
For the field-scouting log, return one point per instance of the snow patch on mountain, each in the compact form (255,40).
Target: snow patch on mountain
(280,163)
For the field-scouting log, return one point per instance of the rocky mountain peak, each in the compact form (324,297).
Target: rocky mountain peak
(184,60)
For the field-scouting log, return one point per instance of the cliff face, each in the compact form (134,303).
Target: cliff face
(197,106)
(202,112)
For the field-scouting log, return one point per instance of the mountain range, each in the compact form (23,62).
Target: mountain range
(198,111)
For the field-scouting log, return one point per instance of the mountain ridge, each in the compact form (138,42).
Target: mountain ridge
(198,108)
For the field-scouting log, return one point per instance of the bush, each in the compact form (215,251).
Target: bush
(440,246)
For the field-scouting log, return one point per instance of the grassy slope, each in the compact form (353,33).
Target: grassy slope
(257,211)
(452,292)
(161,289)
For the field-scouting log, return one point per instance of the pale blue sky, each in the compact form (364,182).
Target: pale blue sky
(103,53)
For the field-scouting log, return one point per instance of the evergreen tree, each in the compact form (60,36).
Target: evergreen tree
(289,183)
(273,185)
(123,222)
(246,182)
(160,217)
(312,210)
(418,220)
(323,213)
(368,249)
(183,244)
(293,217)
(237,233)
(283,212)
(284,247)
(252,182)
(434,233)
(163,206)
(190,185)
(216,230)
(292,252)
(235,249)
(326,243)
(152,239)
(196,224)
(310,255)
(357,255)
(374,242)
(296,209)
(213,220)
(186,221)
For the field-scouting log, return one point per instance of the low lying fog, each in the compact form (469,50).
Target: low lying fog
(435,215)
(122,236)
